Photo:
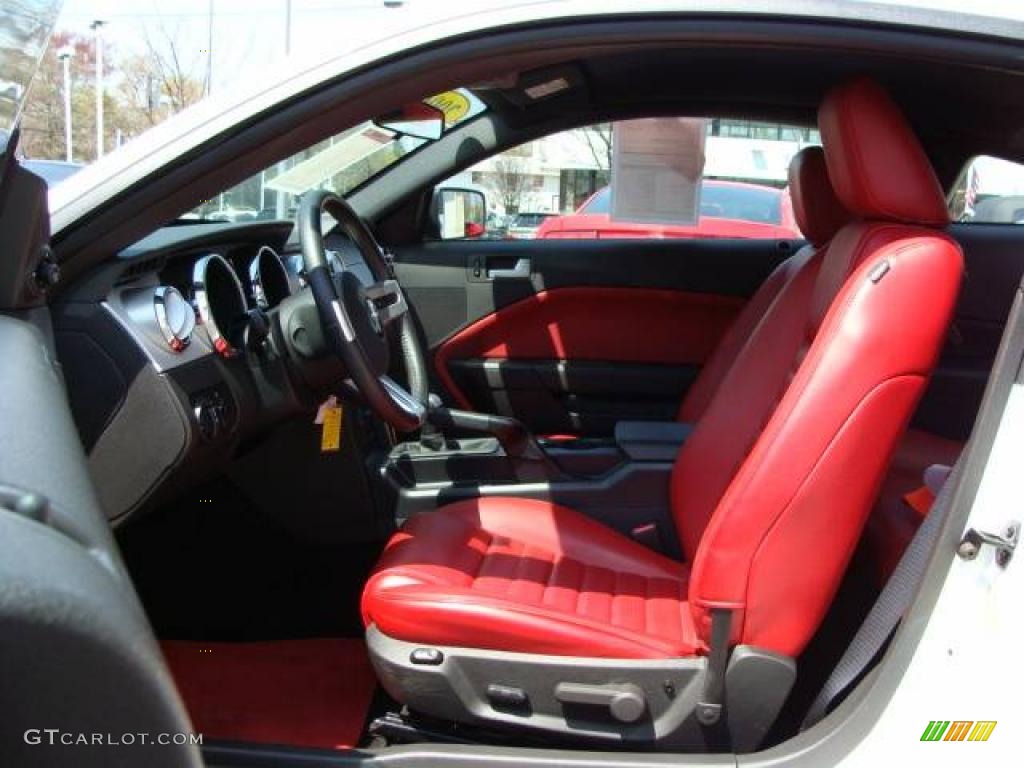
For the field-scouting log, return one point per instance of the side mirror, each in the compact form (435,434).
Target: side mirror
(416,119)
(457,214)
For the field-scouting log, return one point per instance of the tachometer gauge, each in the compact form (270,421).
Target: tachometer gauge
(269,279)
(220,302)
(175,317)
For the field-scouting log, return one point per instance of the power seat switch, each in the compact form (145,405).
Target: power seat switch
(426,657)
(507,697)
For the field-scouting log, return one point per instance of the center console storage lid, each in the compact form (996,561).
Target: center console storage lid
(651,440)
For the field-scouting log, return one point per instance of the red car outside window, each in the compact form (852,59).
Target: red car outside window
(728,209)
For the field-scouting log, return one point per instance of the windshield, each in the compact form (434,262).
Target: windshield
(340,164)
(25,27)
(116,69)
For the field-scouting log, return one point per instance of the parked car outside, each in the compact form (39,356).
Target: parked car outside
(51,171)
(234,215)
(497,226)
(727,209)
(524,226)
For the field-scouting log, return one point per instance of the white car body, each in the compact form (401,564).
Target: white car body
(966,664)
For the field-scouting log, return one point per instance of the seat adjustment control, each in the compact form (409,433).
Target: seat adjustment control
(429,657)
(626,702)
(507,696)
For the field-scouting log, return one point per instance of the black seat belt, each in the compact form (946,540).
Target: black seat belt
(886,613)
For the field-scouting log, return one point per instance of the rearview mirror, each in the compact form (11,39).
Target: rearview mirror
(459,213)
(416,119)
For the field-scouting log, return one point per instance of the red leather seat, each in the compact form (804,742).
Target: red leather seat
(505,571)
(819,214)
(771,490)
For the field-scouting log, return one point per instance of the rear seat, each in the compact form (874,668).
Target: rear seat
(903,501)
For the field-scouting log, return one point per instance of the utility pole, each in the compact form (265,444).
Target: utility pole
(64,57)
(279,196)
(287,27)
(209,49)
(95,27)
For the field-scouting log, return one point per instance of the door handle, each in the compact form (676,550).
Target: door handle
(522,270)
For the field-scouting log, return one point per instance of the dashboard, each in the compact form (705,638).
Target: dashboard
(174,353)
(194,304)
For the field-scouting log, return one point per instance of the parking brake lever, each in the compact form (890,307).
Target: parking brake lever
(514,437)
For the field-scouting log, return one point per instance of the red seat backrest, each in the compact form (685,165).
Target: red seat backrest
(771,490)
(819,214)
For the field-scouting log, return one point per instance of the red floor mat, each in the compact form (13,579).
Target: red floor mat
(311,693)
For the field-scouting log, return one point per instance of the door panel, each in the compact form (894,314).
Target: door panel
(450,288)
(570,397)
(572,336)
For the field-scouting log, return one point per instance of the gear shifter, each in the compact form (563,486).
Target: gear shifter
(430,436)
(514,437)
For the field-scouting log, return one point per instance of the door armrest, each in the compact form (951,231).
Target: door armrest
(651,440)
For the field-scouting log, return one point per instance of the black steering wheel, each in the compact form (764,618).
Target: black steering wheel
(358,320)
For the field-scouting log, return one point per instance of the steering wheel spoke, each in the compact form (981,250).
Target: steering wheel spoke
(413,407)
(388,301)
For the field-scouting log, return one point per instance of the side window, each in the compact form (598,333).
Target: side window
(562,186)
(989,191)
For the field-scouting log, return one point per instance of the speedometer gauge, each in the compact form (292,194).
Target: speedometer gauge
(175,317)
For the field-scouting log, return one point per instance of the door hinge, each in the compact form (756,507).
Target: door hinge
(1004,543)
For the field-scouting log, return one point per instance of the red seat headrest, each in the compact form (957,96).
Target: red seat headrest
(818,212)
(877,165)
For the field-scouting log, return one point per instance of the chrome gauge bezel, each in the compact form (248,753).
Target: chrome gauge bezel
(201,296)
(177,338)
(267,256)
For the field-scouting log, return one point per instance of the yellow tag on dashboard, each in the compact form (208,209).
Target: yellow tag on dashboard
(330,439)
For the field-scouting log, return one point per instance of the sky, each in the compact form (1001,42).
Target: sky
(250,34)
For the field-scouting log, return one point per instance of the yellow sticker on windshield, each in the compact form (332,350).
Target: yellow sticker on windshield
(330,439)
(454,105)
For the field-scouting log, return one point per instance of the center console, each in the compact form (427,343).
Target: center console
(622,481)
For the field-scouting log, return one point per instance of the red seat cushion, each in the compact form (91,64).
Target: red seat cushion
(528,576)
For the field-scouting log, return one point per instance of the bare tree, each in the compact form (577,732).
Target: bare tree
(598,139)
(159,82)
(43,119)
(510,181)
(171,71)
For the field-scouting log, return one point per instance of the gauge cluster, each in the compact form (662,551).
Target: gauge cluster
(203,303)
